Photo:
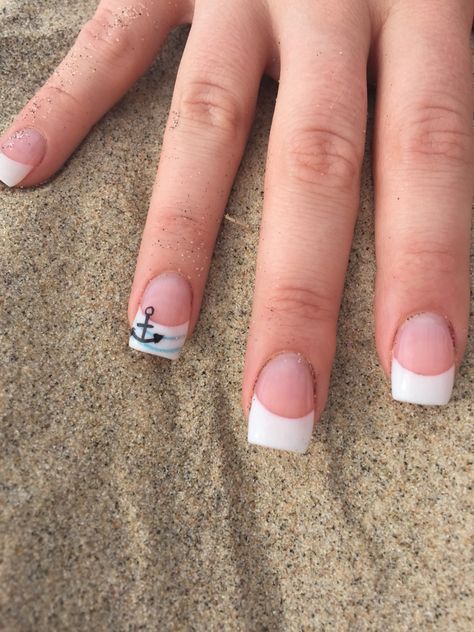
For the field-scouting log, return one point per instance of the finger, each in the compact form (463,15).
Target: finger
(423,178)
(112,50)
(211,113)
(311,200)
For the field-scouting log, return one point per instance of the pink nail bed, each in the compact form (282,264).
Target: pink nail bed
(423,361)
(20,154)
(162,321)
(282,411)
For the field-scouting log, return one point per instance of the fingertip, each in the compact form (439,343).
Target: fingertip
(20,153)
(286,385)
(161,322)
(282,412)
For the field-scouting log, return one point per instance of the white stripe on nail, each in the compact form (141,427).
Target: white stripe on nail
(282,433)
(11,171)
(170,344)
(429,390)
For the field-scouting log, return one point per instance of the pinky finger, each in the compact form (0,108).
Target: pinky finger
(112,50)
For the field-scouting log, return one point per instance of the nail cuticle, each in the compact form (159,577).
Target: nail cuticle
(282,352)
(282,411)
(21,152)
(413,315)
(161,324)
(423,360)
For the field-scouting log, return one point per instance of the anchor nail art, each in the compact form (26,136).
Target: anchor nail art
(282,411)
(162,321)
(423,365)
(20,154)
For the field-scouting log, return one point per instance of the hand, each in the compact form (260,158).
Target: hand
(318,50)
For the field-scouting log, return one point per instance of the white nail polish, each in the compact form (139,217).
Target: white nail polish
(11,171)
(428,390)
(282,433)
(152,337)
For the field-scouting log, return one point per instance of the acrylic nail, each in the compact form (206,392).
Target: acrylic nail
(162,320)
(423,364)
(20,154)
(282,411)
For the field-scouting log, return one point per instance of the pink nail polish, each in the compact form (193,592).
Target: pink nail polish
(162,321)
(423,363)
(20,154)
(282,411)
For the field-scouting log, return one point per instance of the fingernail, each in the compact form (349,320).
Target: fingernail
(282,411)
(423,361)
(162,320)
(20,154)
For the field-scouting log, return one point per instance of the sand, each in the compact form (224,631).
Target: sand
(130,497)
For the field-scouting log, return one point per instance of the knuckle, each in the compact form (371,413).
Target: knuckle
(427,260)
(181,227)
(212,105)
(115,46)
(53,92)
(323,156)
(303,305)
(436,131)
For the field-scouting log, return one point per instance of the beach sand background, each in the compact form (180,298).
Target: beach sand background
(130,497)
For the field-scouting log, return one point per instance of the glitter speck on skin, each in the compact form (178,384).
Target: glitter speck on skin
(123,17)
(175,121)
(19,134)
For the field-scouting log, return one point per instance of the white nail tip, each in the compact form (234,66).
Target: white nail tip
(282,433)
(428,390)
(11,171)
(171,339)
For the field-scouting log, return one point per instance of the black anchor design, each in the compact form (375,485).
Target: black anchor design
(149,311)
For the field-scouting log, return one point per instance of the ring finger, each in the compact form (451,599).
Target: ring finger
(211,113)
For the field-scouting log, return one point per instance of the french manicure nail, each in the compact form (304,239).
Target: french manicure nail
(20,154)
(162,320)
(423,361)
(282,411)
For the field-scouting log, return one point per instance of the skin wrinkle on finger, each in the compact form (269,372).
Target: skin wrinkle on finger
(208,95)
(427,12)
(433,125)
(184,232)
